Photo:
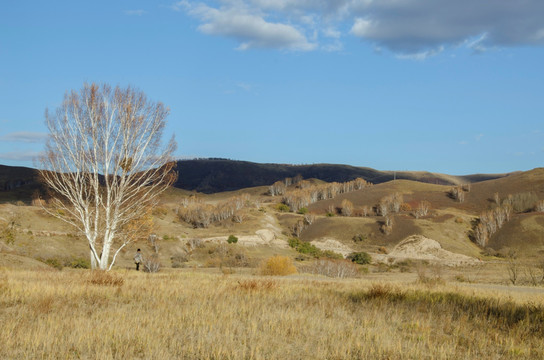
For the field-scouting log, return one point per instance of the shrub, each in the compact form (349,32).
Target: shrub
(358,238)
(361,258)
(302,211)
(330,214)
(151,264)
(282,207)
(334,268)
(278,265)
(178,260)
(232,239)
(312,250)
(53,262)
(405,207)
(294,242)
(329,254)
(78,263)
(307,248)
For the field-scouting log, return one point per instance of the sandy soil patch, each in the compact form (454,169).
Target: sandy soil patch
(418,247)
(332,245)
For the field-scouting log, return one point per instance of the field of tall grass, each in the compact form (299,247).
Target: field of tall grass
(79,314)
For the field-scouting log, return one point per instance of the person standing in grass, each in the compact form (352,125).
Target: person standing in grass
(138,258)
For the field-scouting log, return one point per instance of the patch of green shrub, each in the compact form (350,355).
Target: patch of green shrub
(361,258)
(309,249)
(302,211)
(232,239)
(283,208)
(329,254)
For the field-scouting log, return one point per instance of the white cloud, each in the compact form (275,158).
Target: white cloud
(20,155)
(25,137)
(420,55)
(250,29)
(412,29)
(332,33)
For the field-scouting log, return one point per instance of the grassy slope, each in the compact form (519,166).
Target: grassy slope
(449,221)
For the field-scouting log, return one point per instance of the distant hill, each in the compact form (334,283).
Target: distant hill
(17,183)
(218,175)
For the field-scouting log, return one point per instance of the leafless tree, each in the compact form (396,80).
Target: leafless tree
(513,266)
(457,193)
(481,236)
(422,209)
(277,188)
(497,198)
(106,164)
(347,207)
(298,227)
(309,219)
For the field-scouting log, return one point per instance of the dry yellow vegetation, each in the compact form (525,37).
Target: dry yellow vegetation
(195,315)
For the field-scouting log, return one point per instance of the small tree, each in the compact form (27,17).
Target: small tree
(347,207)
(106,166)
(422,209)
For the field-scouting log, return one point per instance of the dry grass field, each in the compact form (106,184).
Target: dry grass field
(185,314)
(208,300)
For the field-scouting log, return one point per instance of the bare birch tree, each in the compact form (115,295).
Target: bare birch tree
(106,165)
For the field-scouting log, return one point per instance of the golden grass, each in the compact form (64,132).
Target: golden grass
(192,315)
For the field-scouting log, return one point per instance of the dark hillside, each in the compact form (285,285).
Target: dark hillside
(217,175)
(17,183)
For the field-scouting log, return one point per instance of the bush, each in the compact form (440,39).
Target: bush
(405,207)
(359,238)
(302,211)
(334,268)
(283,208)
(232,239)
(151,264)
(78,263)
(278,265)
(312,250)
(361,258)
(178,260)
(56,263)
(329,254)
(294,242)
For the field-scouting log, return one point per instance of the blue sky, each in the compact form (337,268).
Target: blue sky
(445,86)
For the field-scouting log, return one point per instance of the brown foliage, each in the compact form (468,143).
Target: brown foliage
(278,265)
